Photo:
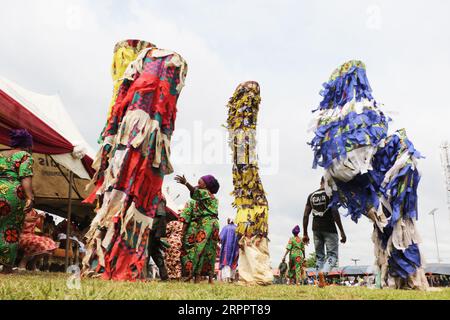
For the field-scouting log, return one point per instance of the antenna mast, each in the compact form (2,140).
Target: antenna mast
(445,159)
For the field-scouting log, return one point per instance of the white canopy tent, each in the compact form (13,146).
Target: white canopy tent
(50,109)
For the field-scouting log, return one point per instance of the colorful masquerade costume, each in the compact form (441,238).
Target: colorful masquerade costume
(296,250)
(31,243)
(125,52)
(174,231)
(202,235)
(368,172)
(229,251)
(250,199)
(133,158)
(13,169)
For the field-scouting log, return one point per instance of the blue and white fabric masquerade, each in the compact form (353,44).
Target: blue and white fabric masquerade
(348,117)
(368,172)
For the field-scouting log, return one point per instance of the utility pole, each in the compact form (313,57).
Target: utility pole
(445,160)
(435,234)
(355,261)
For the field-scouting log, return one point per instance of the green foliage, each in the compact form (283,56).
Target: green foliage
(311,261)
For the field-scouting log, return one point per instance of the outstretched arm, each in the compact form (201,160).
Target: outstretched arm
(337,219)
(305,223)
(182,180)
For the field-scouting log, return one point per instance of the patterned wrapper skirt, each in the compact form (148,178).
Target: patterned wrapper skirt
(31,243)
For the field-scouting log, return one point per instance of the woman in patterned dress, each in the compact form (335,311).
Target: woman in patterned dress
(16,195)
(296,250)
(174,233)
(33,245)
(200,229)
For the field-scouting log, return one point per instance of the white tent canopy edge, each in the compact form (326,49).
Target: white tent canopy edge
(50,109)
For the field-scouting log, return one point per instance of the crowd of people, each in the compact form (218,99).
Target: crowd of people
(348,281)
(366,280)
(440,280)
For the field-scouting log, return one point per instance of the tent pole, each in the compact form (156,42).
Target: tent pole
(69,214)
(62,173)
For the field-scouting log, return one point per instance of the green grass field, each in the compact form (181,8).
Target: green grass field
(53,286)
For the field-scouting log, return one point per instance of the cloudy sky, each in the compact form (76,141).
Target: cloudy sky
(290,47)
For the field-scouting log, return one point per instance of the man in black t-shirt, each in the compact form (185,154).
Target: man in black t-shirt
(326,240)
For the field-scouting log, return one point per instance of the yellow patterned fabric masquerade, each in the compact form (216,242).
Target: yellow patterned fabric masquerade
(249,196)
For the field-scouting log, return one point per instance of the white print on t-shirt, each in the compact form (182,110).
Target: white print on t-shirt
(318,201)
